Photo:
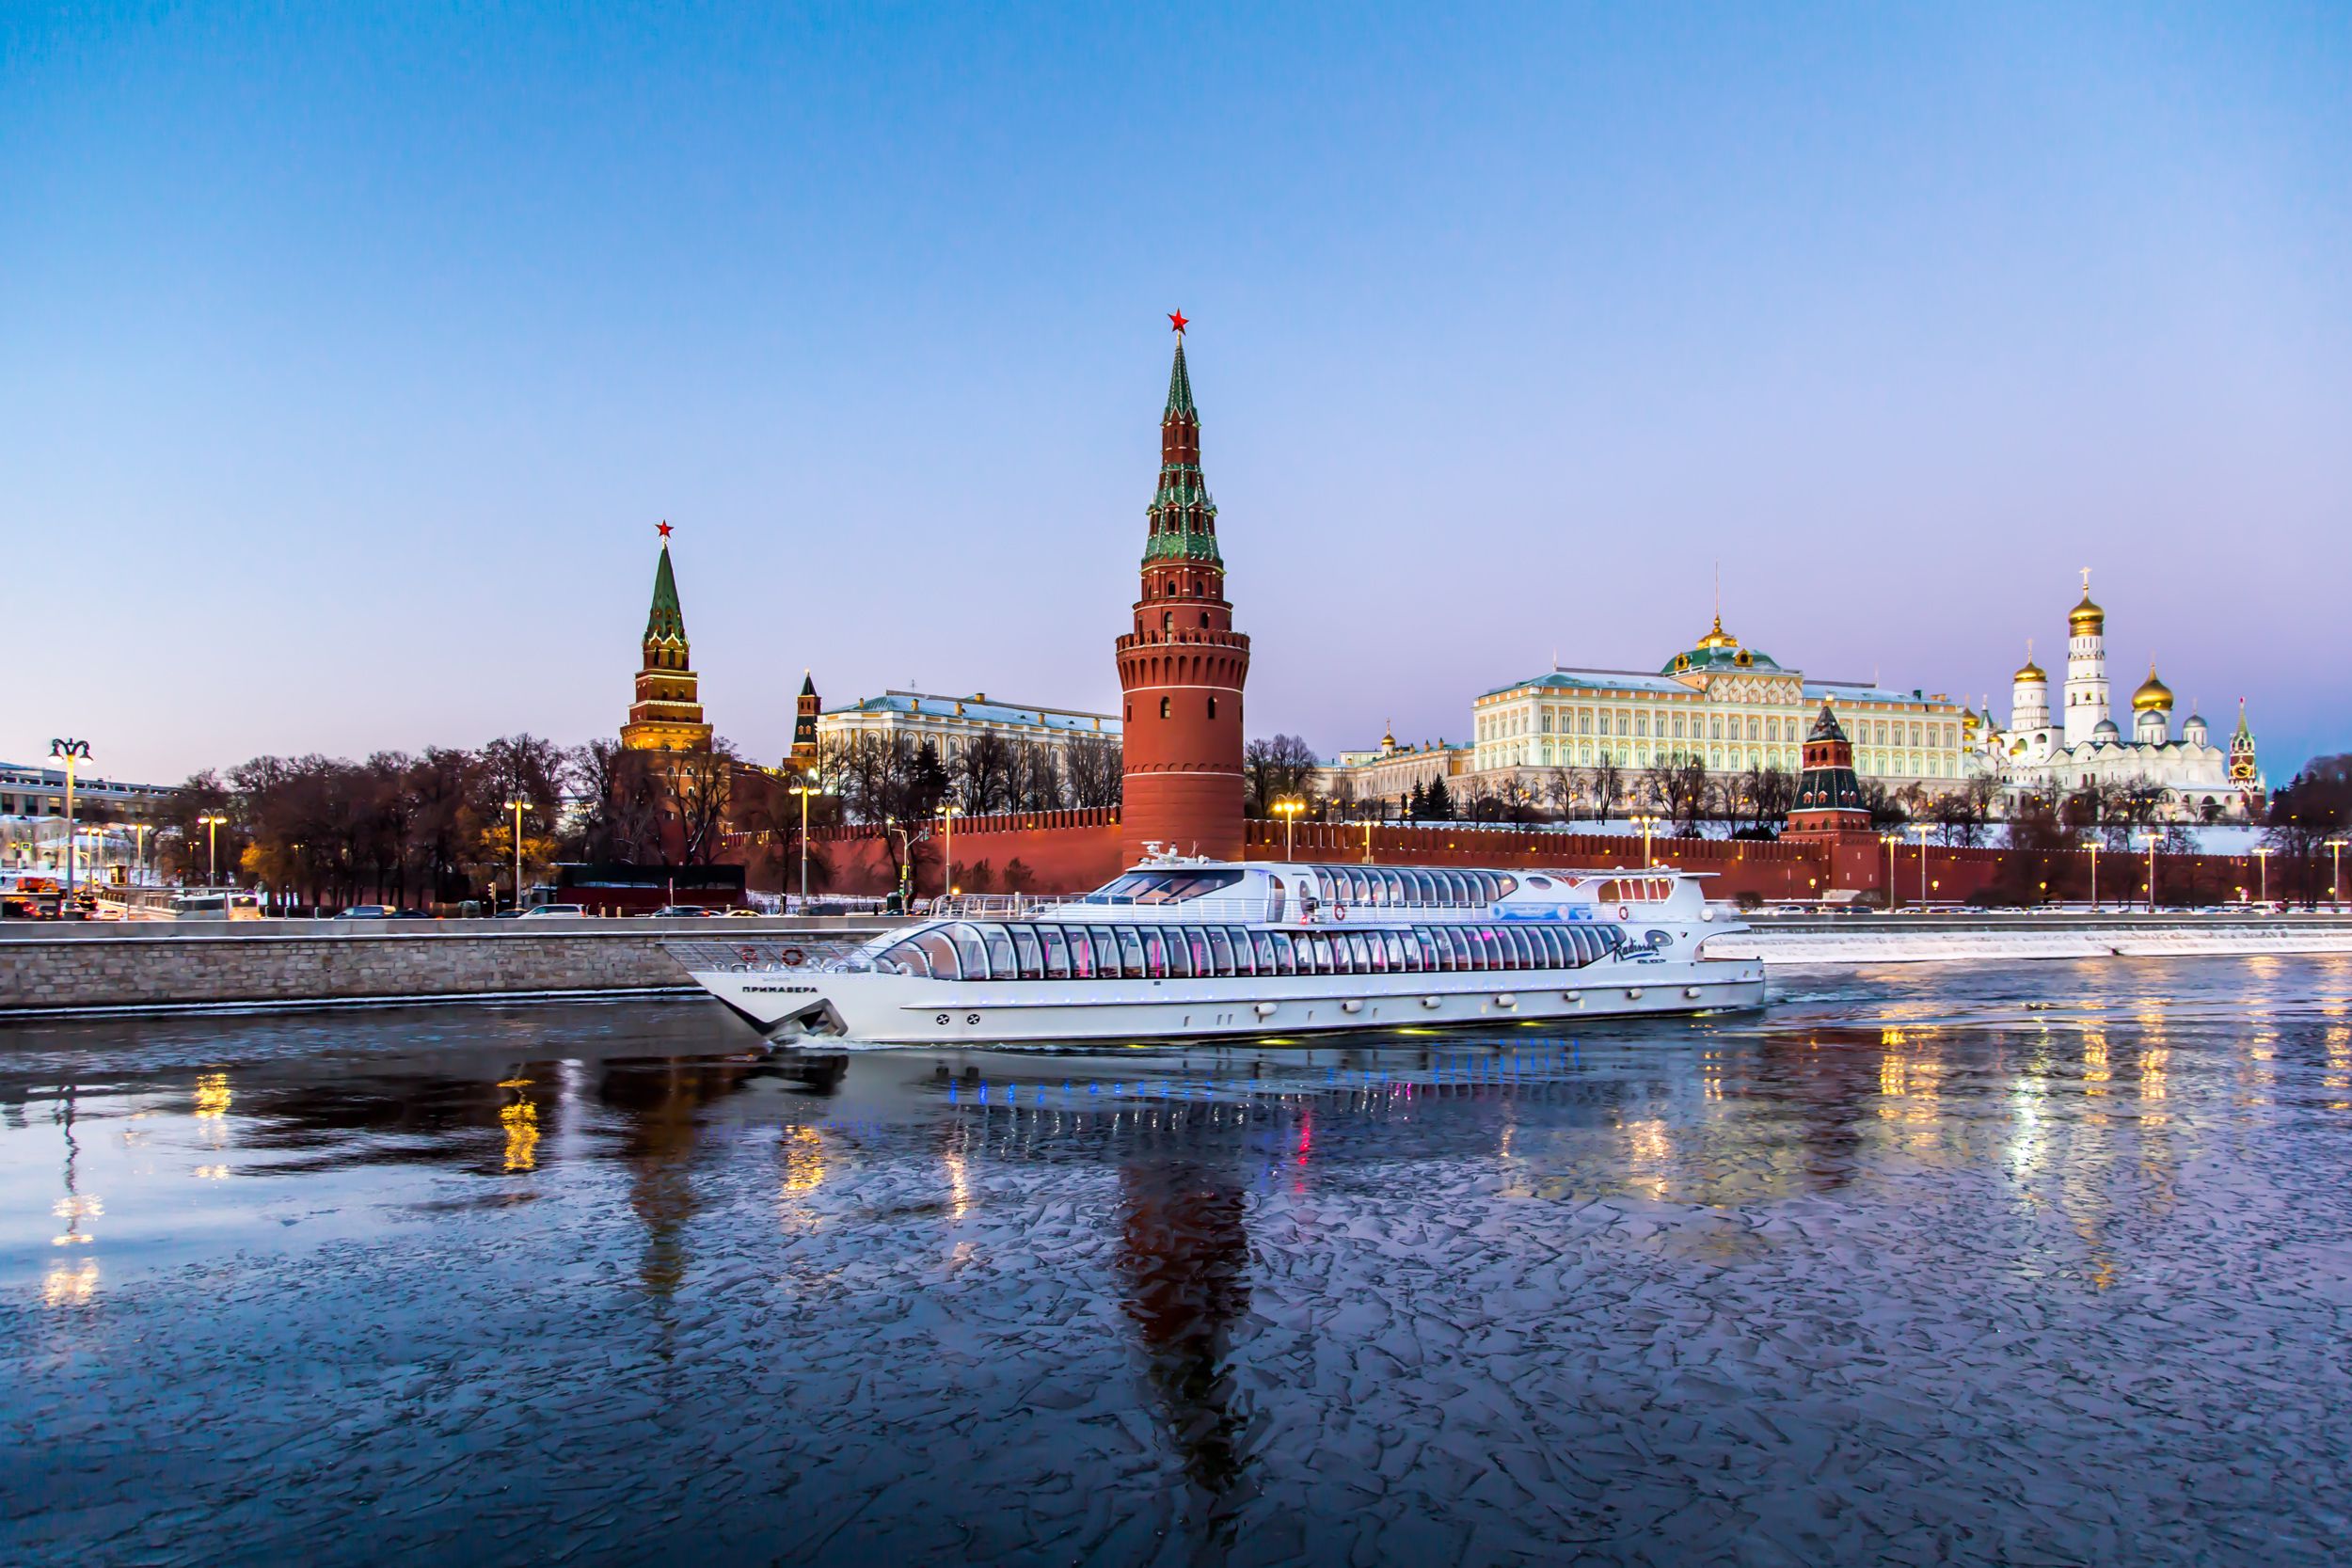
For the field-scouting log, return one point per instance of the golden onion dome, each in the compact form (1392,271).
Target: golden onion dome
(2031,672)
(1718,638)
(2086,619)
(2153,696)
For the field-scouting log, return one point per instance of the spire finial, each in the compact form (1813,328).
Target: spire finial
(1176,323)
(2086,582)
(662,528)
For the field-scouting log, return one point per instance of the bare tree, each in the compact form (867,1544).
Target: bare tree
(1605,786)
(1274,769)
(1094,770)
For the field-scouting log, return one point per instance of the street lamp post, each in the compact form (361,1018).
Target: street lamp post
(1288,808)
(947,878)
(69,751)
(1922,830)
(138,852)
(803,792)
(1367,841)
(514,805)
(1890,840)
(2335,878)
(2152,840)
(1648,824)
(2094,875)
(212,821)
(2261,859)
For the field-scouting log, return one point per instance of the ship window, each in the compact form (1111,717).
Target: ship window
(1432,959)
(1428,881)
(1278,947)
(905,957)
(1505,885)
(942,954)
(1203,960)
(1002,965)
(1457,891)
(1105,945)
(1180,964)
(1354,954)
(1364,948)
(1130,952)
(1310,957)
(1456,945)
(1530,954)
(1155,951)
(1274,897)
(1558,951)
(969,951)
(1330,954)
(1031,955)
(1056,952)
(1221,953)
(1401,955)
(1400,886)
(1263,942)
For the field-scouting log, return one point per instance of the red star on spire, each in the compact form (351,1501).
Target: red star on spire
(662,528)
(1177,322)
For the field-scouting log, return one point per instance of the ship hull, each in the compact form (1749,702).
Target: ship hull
(902,1009)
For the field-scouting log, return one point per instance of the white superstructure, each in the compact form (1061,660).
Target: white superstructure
(1177,949)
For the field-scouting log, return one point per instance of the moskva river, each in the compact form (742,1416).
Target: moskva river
(2049,1263)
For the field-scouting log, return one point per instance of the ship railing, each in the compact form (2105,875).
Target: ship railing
(761,954)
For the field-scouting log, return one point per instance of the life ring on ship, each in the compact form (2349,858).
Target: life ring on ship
(1625,912)
(1339,911)
(749,954)
(793,957)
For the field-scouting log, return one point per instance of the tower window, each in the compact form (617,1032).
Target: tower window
(1205,618)
(1164,707)
(1168,620)
(1212,708)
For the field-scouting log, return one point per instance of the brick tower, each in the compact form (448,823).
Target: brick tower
(803,756)
(1829,796)
(1182,666)
(667,715)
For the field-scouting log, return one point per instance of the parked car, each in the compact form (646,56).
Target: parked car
(744,913)
(367,912)
(557,911)
(681,911)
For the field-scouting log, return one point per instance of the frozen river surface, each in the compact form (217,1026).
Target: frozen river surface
(2043,1264)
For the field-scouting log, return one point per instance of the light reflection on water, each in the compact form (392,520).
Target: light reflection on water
(1865,1277)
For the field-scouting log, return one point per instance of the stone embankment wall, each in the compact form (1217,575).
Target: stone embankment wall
(43,968)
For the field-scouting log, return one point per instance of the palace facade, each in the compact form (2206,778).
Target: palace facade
(1731,706)
(951,725)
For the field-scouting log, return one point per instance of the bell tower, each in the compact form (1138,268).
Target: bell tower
(1182,666)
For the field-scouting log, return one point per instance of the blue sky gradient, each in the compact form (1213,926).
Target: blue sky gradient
(348,357)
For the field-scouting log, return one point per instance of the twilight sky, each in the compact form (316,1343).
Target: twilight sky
(347,361)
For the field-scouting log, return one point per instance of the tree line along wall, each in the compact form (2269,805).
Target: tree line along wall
(1070,852)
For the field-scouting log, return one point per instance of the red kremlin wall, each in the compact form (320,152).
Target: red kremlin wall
(1070,852)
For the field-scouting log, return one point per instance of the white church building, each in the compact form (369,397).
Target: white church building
(2082,747)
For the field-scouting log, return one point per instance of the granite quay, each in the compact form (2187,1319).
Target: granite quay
(59,968)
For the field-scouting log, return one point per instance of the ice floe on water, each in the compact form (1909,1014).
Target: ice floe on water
(2050,1264)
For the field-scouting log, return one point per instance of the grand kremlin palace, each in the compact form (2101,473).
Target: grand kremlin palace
(1733,706)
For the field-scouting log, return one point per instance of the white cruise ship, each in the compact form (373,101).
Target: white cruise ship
(1181,949)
